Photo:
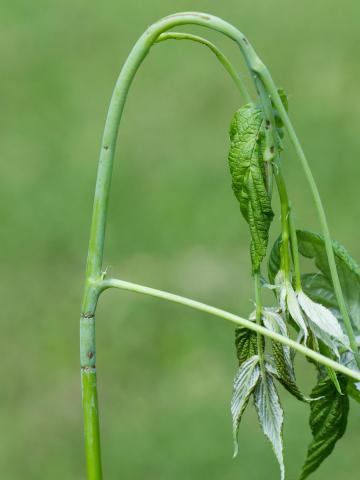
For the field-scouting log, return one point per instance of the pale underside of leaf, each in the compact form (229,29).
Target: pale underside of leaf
(270,415)
(274,322)
(312,245)
(244,385)
(283,359)
(294,310)
(323,319)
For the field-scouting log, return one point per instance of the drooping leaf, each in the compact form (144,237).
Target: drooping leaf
(245,343)
(283,360)
(312,245)
(328,419)
(294,310)
(270,415)
(324,322)
(244,385)
(319,288)
(248,177)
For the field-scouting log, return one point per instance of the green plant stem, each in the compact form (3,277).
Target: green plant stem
(88,383)
(272,157)
(259,339)
(102,192)
(272,91)
(284,207)
(295,250)
(220,56)
(217,312)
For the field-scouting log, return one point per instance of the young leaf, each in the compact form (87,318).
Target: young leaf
(245,343)
(270,415)
(319,288)
(248,177)
(244,384)
(311,245)
(325,323)
(328,419)
(294,310)
(284,373)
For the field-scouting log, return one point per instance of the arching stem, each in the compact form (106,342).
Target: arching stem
(101,200)
(294,249)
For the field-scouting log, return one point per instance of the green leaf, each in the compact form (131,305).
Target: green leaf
(270,415)
(311,245)
(328,419)
(245,343)
(314,343)
(353,389)
(248,177)
(283,360)
(244,385)
(324,324)
(319,288)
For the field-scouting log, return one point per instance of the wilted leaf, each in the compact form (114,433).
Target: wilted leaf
(312,245)
(245,343)
(248,177)
(282,356)
(294,309)
(325,323)
(319,288)
(244,384)
(270,415)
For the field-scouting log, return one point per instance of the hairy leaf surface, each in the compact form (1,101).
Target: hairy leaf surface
(248,177)
(270,415)
(244,384)
(282,356)
(328,419)
(312,245)
(322,318)
(245,343)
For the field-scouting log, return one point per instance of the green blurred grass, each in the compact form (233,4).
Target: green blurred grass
(165,372)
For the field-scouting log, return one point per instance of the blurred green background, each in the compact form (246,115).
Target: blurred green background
(165,372)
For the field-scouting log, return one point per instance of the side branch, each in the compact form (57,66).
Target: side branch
(217,312)
(216,51)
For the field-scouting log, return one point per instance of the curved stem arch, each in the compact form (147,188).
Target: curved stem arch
(117,103)
(140,50)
